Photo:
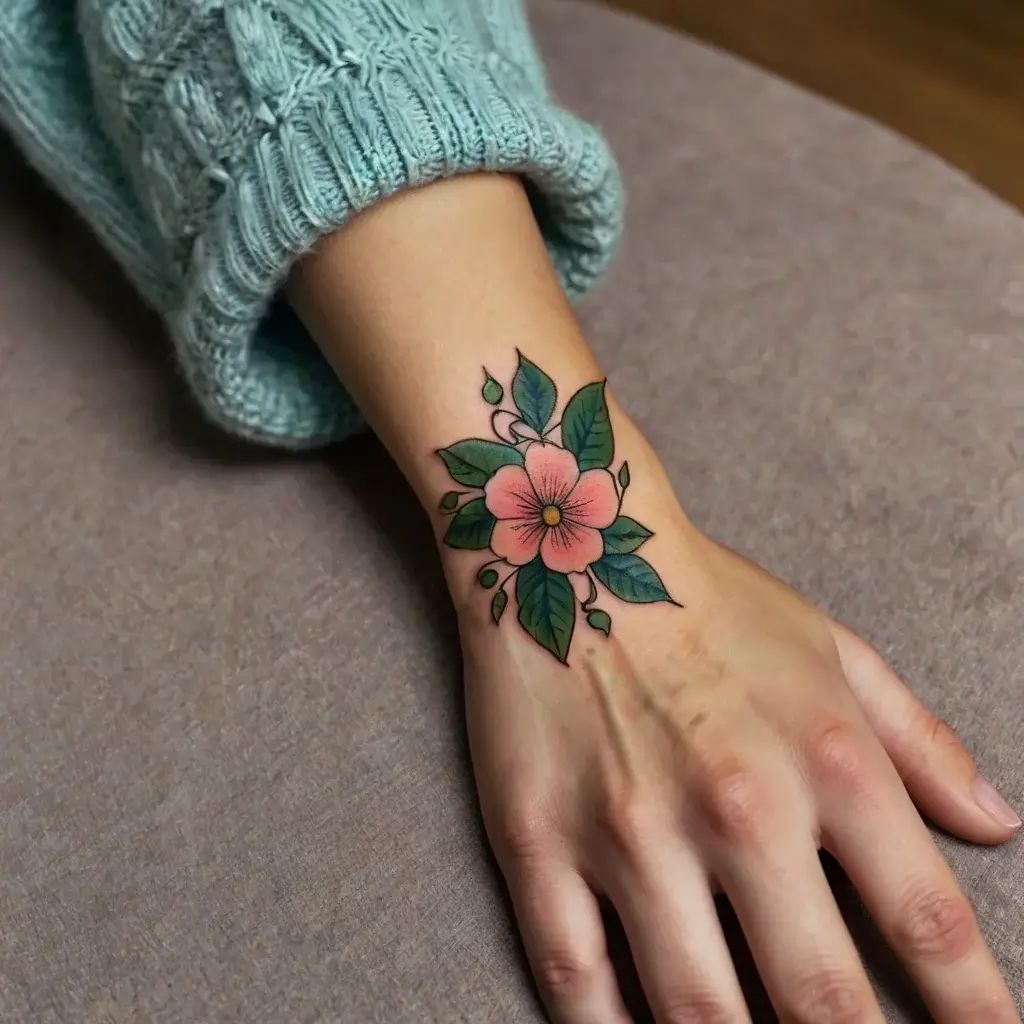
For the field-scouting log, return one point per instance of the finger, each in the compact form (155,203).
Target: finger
(562,930)
(761,847)
(870,826)
(660,890)
(938,772)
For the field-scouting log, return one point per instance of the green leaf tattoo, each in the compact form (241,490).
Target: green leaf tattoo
(587,429)
(556,492)
(474,462)
(534,394)
(631,578)
(624,535)
(547,607)
(470,527)
(492,391)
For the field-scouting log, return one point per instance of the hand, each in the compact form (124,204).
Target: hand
(723,744)
(716,744)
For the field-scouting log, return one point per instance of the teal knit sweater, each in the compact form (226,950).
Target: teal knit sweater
(209,143)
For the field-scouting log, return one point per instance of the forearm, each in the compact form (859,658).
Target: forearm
(416,297)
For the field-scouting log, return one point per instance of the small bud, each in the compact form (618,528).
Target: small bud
(449,501)
(487,577)
(624,475)
(598,619)
(498,605)
(492,391)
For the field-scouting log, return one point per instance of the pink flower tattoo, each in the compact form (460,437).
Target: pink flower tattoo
(549,509)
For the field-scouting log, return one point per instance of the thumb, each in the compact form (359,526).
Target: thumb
(938,772)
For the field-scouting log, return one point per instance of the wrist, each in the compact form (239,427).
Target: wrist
(436,308)
(599,522)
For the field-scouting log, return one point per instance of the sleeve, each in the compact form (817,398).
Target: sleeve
(211,142)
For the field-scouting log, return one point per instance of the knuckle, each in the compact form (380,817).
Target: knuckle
(937,925)
(693,1006)
(829,999)
(732,800)
(626,820)
(938,732)
(522,838)
(995,1010)
(837,757)
(561,975)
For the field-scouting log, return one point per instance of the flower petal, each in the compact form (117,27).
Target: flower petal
(568,548)
(509,495)
(553,472)
(593,501)
(517,540)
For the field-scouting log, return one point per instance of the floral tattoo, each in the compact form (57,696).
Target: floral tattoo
(550,509)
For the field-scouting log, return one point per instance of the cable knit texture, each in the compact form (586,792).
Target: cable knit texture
(209,143)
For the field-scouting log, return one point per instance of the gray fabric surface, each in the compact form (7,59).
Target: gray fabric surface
(233,780)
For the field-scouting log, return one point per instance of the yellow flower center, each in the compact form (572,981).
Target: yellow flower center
(552,515)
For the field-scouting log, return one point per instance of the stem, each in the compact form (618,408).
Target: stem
(501,585)
(518,438)
(494,429)
(588,604)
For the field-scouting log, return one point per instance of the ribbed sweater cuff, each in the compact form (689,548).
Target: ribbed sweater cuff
(348,130)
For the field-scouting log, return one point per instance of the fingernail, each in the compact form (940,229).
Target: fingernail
(989,800)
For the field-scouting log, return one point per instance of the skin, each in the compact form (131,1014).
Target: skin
(718,745)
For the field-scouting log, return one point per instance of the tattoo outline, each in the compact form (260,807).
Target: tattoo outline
(548,508)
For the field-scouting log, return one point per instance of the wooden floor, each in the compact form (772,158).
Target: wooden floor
(947,73)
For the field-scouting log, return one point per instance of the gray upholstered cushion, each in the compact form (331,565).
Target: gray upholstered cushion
(233,779)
